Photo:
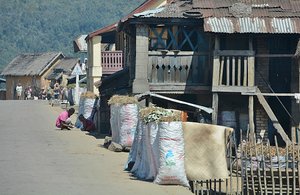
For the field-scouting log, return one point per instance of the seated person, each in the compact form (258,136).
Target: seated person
(63,121)
(87,125)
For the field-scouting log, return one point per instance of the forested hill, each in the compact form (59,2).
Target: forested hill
(28,26)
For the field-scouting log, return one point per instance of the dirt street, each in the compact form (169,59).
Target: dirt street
(36,158)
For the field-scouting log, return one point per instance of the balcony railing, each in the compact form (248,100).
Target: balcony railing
(233,70)
(112,61)
(185,67)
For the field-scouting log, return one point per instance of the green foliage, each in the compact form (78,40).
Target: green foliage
(34,26)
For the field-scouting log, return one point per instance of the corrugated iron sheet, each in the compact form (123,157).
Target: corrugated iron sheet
(81,43)
(219,25)
(263,16)
(252,25)
(213,4)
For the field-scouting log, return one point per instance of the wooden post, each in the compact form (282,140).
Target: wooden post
(251,71)
(227,71)
(216,70)
(239,71)
(216,65)
(215,106)
(251,118)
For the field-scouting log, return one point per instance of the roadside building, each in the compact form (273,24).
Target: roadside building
(29,70)
(106,49)
(2,89)
(237,57)
(61,72)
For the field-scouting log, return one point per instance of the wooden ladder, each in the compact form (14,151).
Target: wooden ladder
(272,116)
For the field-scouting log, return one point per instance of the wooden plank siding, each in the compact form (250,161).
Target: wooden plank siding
(187,67)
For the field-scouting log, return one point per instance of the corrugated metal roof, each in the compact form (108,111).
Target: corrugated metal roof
(31,64)
(219,25)
(242,16)
(149,13)
(147,5)
(66,64)
(80,44)
(252,25)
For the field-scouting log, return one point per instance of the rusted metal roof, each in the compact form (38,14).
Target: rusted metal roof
(31,64)
(237,16)
(252,25)
(147,5)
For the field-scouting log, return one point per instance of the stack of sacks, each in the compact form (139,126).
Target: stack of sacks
(205,151)
(158,152)
(123,120)
(86,106)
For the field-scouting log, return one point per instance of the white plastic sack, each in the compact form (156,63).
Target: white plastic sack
(128,117)
(152,149)
(85,108)
(132,156)
(138,149)
(114,122)
(141,167)
(171,162)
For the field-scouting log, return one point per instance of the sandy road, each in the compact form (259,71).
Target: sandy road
(35,158)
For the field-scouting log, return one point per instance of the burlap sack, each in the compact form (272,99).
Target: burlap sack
(205,151)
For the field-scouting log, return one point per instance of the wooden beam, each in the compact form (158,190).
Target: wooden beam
(215,106)
(272,94)
(273,118)
(216,71)
(233,71)
(251,119)
(221,71)
(177,87)
(239,71)
(227,71)
(275,55)
(217,42)
(245,78)
(234,89)
(234,53)
(251,71)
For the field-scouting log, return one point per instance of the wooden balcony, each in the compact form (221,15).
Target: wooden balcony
(173,71)
(233,71)
(112,61)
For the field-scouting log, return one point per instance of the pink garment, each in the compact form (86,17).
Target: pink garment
(62,117)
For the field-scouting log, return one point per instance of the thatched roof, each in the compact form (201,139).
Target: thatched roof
(31,64)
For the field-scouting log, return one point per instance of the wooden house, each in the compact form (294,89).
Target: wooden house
(61,72)
(2,89)
(29,70)
(237,57)
(105,48)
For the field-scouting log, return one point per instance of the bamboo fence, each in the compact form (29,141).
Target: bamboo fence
(256,168)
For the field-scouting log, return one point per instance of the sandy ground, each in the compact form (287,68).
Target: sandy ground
(37,158)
